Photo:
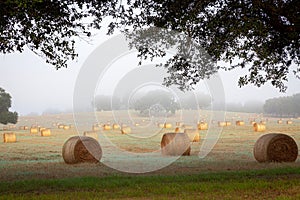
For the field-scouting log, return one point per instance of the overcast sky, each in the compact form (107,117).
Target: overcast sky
(36,86)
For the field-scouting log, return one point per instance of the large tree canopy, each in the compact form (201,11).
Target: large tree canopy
(261,35)
(5,103)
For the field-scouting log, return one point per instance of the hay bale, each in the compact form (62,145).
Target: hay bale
(126,130)
(106,127)
(275,147)
(193,134)
(136,124)
(221,124)
(279,121)
(259,127)
(67,127)
(9,137)
(116,126)
(228,123)
(160,125)
(202,126)
(23,128)
(46,132)
(96,128)
(79,149)
(175,144)
(61,126)
(167,125)
(34,130)
(240,123)
(92,134)
(179,130)
(289,122)
(41,129)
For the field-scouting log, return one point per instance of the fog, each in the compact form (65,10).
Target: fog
(36,87)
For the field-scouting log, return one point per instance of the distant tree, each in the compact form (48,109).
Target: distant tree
(195,101)
(106,103)
(5,103)
(156,102)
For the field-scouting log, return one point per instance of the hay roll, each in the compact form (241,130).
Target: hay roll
(106,127)
(289,122)
(79,149)
(96,128)
(23,128)
(9,137)
(221,124)
(116,126)
(240,123)
(175,144)
(202,126)
(46,132)
(167,125)
(41,129)
(61,126)
(67,127)
(259,127)
(34,130)
(228,123)
(92,134)
(160,125)
(179,130)
(275,147)
(279,121)
(193,134)
(126,130)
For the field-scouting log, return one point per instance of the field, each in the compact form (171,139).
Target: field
(34,157)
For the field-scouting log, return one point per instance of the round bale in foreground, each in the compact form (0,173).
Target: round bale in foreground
(175,144)
(9,137)
(275,147)
(80,149)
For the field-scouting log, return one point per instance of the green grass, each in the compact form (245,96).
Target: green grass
(281,183)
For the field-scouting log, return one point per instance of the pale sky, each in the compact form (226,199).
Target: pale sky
(36,86)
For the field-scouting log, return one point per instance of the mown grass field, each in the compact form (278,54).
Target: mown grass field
(34,167)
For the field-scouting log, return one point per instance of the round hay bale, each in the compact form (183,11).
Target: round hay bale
(34,130)
(228,123)
(61,126)
(23,128)
(289,122)
(193,134)
(116,126)
(41,128)
(275,147)
(79,149)
(95,128)
(259,127)
(9,137)
(160,125)
(67,127)
(126,130)
(92,134)
(167,125)
(106,127)
(221,124)
(202,126)
(279,121)
(136,124)
(240,123)
(179,130)
(175,144)
(46,132)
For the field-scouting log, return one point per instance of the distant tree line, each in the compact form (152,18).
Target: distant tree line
(247,107)
(6,116)
(283,106)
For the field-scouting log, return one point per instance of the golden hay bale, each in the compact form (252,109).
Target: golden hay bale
(34,130)
(9,137)
(240,123)
(167,125)
(79,149)
(279,121)
(41,128)
(275,147)
(160,125)
(175,144)
(116,126)
(45,132)
(221,123)
(289,122)
(23,128)
(95,128)
(61,126)
(202,126)
(179,130)
(179,124)
(228,123)
(136,124)
(126,130)
(67,127)
(193,134)
(106,127)
(259,127)
(92,134)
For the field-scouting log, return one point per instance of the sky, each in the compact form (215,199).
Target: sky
(36,86)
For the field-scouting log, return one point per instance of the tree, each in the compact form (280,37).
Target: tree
(106,103)
(263,36)
(5,103)
(156,103)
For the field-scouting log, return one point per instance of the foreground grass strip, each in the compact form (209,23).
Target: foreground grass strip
(275,183)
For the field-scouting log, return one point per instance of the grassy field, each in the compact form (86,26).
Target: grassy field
(34,167)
